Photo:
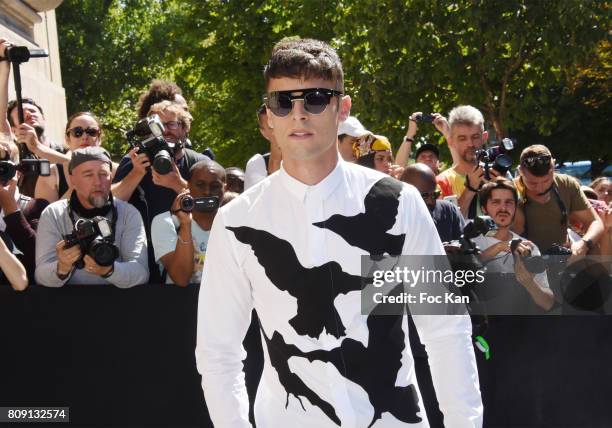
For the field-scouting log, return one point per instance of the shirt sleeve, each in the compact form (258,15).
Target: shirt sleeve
(578,200)
(124,168)
(133,269)
(445,187)
(163,235)
(47,237)
(224,315)
(447,338)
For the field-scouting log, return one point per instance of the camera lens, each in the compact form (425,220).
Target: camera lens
(162,163)
(187,203)
(7,171)
(102,252)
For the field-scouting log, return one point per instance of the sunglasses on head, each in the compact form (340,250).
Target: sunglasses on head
(315,100)
(539,161)
(78,131)
(430,195)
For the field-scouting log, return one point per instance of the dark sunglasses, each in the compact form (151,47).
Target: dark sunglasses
(315,100)
(539,161)
(431,195)
(78,131)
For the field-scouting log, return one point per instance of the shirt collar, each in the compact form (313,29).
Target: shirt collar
(321,190)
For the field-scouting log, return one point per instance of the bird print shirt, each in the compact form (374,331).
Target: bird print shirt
(293,253)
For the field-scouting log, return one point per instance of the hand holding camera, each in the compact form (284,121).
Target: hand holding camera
(66,257)
(182,201)
(93,238)
(171,179)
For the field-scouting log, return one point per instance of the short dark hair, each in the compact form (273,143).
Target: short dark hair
(305,59)
(160,90)
(500,183)
(12,105)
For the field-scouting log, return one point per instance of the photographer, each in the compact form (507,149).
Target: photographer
(466,176)
(149,191)
(550,201)
(180,236)
(426,153)
(19,214)
(499,199)
(91,238)
(32,131)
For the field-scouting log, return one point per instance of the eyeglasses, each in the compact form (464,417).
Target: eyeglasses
(539,161)
(315,100)
(78,131)
(431,195)
(172,125)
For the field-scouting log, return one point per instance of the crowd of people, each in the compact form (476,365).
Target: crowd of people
(95,221)
(549,208)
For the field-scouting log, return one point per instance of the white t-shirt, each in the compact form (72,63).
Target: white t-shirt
(503,262)
(164,231)
(255,171)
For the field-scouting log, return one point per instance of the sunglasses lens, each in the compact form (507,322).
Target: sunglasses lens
(92,132)
(77,132)
(316,102)
(280,104)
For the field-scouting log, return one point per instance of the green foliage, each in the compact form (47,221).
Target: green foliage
(535,69)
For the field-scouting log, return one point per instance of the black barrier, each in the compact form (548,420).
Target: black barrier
(126,358)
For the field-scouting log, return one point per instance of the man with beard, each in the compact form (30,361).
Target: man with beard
(150,192)
(446,216)
(116,221)
(465,177)
(499,199)
(549,201)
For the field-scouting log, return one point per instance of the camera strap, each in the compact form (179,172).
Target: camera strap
(560,204)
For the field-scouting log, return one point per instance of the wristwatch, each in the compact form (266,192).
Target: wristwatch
(407,138)
(589,243)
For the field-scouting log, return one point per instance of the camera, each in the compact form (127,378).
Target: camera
(204,204)
(23,53)
(555,257)
(481,225)
(496,155)
(147,136)
(94,237)
(424,118)
(27,167)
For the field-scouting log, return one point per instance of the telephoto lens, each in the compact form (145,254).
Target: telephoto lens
(162,163)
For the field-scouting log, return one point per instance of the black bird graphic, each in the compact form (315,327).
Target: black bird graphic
(368,230)
(314,288)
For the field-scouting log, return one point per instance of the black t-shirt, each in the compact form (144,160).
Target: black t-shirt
(448,220)
(149,198)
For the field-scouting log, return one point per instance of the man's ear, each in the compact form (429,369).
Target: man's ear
(268,118)
(345,108)
(485,136)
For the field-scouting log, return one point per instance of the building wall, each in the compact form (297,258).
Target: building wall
(41,77)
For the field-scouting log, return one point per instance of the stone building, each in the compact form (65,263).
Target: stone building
(32,23)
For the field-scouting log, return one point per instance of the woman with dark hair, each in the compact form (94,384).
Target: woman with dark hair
(375,152)
(82,130)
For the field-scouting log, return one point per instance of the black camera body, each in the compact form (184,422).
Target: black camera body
(147,136)
(8,169)
(554,257)
(204,204)
(95,238)
(497,156)
(23,53)
(481,225)
(428,118)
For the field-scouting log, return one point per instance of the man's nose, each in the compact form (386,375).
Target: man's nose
(298,111)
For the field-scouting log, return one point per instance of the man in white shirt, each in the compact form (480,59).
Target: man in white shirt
(499,199)
(291,247)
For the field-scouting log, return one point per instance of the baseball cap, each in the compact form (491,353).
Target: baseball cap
(427,147)
(87,154)
(351,126)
